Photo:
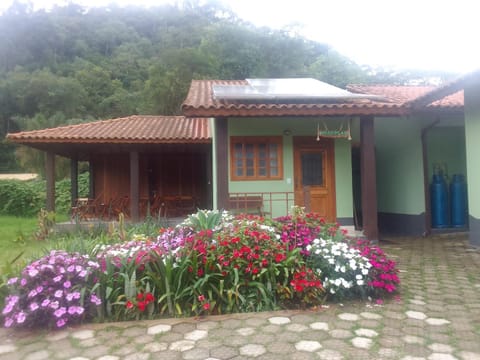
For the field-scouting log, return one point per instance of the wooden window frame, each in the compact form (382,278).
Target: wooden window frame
(256,141)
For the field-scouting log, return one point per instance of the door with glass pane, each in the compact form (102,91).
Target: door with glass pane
(314,179)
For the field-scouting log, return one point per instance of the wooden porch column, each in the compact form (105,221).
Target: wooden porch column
(368,177)
(50,177)
(91,180)
(74,180)
(221,153)
(134,186)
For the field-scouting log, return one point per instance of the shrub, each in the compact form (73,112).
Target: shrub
(343,269)
(53,291)
(20,198)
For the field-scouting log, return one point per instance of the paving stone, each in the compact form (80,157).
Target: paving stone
(196,354)
(137,356)
(437,321)
(366,323)
(387,353)
(280,348)
(56,336)
(328,354)
(144,339)
(108,357)
(223,352)
(348,316)
(411,339)
(362,342)
(319,326)
(394,315)
(38,355)
(125,350)
(158,329)
(8,348)
(246,331)
(366,333)
(83,334)
(134,331)
(170,337)
(309,346)
(196,335)
(254,321)
(231,324)
(301,319)
(252,350)
(264,338)
(279,320)
(417,315)
(296,327)
(95,351)
(79,358)
(208,343)
(441,356)
(440,348)
(89,343)
(207,325)
(467,355)
(182,345)
(418,302)
(155,347)
(408,357)
(274,329)
(340,334)
(184,328)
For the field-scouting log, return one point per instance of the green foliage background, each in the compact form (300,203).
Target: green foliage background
(71,64)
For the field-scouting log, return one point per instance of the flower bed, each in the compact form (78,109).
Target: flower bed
(212,263)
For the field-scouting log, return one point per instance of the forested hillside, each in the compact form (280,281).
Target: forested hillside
(72,65)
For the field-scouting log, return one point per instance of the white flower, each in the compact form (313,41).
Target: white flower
(342,269)
(360,282)
(359,277)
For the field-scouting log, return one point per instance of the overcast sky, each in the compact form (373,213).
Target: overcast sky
(420,34)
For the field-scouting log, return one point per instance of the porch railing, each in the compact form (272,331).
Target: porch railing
(270,204)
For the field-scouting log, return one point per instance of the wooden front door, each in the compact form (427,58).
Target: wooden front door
(314,179)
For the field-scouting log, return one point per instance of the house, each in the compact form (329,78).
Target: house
(364,156)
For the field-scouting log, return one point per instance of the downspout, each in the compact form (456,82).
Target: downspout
(426,181)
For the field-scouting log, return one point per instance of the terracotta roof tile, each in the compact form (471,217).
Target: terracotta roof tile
(200,102)
(138,129)
(406,95)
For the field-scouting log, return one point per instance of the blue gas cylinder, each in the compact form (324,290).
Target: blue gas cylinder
(458,201)
(439,201)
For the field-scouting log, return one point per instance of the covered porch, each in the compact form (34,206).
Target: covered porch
(139,165)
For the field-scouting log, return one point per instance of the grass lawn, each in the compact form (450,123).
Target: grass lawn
(16,237)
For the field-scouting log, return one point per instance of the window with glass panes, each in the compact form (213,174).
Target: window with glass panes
(256,158)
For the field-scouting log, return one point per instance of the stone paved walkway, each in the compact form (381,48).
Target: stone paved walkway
(436,317)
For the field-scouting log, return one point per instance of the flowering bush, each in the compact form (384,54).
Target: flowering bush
(299,229)
(383,275)
(52,291)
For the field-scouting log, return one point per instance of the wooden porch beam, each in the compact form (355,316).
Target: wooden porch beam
(74,181)
(91,180)
(368,177)
(221,151)
(50,177)
(134,186)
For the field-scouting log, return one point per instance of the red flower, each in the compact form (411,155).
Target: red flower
(149,298)
(200,272)
(279,258)
(141,305)
(206,306)
(140,296)
(201,298)
(129,304)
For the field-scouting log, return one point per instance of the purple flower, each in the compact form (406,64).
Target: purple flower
(23,282)
(95,299)
(58,293)
(8,308)
(8,322)
(60,312)
(54,305)
(21,317)
(72,310)
(32,272)
(67,284)
(32,293)
(12,281)
(82,273)
(45,303)
(61,322)
(34,306)
(71,268)
(57,278)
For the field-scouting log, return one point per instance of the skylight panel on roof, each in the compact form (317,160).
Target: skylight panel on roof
(284,89)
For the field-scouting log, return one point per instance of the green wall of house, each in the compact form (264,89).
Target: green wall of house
(297,127)
(472,136)
(400,182)
(446,150)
